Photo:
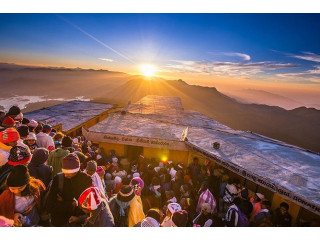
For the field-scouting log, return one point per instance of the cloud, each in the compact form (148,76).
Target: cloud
(227,68)
(106,59)
(243,56)
(310,76)
(308,56)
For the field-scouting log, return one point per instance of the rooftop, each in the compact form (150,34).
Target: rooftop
(70,114)
(281,164)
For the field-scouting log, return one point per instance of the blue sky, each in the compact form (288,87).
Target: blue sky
(255,46)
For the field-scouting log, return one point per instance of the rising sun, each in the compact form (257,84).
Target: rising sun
(148,70)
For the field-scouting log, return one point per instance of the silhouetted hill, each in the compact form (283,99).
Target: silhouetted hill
(299,126)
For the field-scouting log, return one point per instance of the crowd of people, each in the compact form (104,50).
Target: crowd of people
(50,179)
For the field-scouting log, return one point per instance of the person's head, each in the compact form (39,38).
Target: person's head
(179,218)
(38,128)
(172,208)
(137,185)
(155,181)
(265,204)
(9,137)
(126,194)
(185,203)
(258,197)
(89,199)
(18,179)
(154,213)
(2,113)
(46,128)
(91,167)
(100,172)
(169,194)
(31,139)
(195,160)
(66,142)
(23,131)
(244,193)
(204,186)
(40,156)
(19,155)
(70,165)
(58,137)
(184,188)
(8,122)
(284,207)
(32,125)
(205,208)
(14,111)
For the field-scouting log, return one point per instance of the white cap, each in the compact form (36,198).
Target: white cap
(98,157)
(114,159)
(261,196)
(31,136)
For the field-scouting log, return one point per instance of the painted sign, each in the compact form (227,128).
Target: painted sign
(134,140)
(301,201)
(51,121)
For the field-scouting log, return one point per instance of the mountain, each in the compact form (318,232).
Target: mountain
(263,97)
(300,126)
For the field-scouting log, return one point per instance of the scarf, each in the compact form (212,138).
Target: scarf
(123,206)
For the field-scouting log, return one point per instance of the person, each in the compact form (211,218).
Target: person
(205,217)
(179,219)
(101,174)
(8,122)
(245,204)
(170,197)
(91,170)
(206,197)
(37,167)
(263,218)
(136,213)
(195,170)
(256,205)
(32,125)
(65,190)
(120,206)
(152,219)
(8,139)
(96,209)
(18,156)
(171,208)
(282,217)
(23,132)
(234,217)
(13,112)
(43,138)
(190,206)
(21,201)
(30,141)
(57,139)
(110,184)
(56,156)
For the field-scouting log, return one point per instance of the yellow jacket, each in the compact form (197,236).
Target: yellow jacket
(136,213)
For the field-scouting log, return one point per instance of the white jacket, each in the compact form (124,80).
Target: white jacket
(44,140)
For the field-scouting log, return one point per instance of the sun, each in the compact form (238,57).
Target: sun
(148,70)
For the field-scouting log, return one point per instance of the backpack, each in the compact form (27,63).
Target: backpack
(242,219)
(47,193)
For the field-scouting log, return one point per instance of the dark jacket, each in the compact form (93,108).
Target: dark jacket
(39,170)
(61,211)
(101,217)
(246,207)
(280,220)
(115,210)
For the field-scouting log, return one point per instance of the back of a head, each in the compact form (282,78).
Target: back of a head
(180,218)
(284,205)
(23,131)
(154,213)
(66,141)
(14,111)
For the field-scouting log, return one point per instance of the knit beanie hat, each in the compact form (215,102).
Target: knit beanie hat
(100,171)
(180,218)
(14,111)
(31,136)
(47,128)
(66,141)
(19,155)
(9,135)
(33,123)
(19,176)
(90,199)
(137,184)
(23,131)
(71,163)
(174,207)
(126,194)
(91,166)
(40,155)
(8,122)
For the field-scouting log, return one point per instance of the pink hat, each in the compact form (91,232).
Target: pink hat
(33,123)
(90,199)
(100,170)
(136,183)
(5,222)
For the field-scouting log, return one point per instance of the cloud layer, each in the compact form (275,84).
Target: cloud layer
(106,59)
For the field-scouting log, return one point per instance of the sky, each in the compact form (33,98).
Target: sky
(276,52)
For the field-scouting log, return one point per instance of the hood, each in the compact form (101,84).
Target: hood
(40,156)
(58,153)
